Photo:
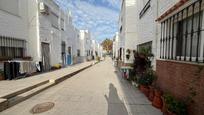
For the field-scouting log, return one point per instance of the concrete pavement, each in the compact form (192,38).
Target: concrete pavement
(8,87)
(99,90)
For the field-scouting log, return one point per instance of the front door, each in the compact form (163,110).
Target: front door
(45,56)
(69,56)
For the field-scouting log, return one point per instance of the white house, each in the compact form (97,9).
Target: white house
(55,32)
(46,33)
(97,49)
(86,48)
(116,46)
(73,42)
(173,30)
(14,28)
(128,30)
(147,30)
(14,25)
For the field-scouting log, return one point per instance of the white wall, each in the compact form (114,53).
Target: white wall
(14,24)
(128,20)
(85,40)
(147,30)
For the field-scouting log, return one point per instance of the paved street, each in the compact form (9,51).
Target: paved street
(98,90)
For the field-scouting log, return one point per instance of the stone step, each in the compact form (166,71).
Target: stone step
(14,98)
(3,104)
(21,97)
(13,94)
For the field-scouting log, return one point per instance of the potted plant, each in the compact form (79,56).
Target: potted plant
(157,101)
(128,54)
(174,106)
(151,93)
(128,51)
(146,80)
(1,75)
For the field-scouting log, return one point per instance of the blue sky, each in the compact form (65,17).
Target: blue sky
(98,16)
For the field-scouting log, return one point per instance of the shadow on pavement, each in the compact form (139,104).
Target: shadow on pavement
(115,105)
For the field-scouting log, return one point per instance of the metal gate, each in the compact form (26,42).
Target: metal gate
(45,56)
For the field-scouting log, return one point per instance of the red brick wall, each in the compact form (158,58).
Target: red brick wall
(181,79)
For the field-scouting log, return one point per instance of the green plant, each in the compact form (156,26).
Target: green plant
(147,78)
(128,51)
(1,72)
(174,105)
(146,52)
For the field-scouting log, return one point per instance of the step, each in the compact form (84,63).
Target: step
(21,97)
(13,94)
(3,104)
(16,97)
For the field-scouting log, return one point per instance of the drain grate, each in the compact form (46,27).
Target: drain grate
(43,107)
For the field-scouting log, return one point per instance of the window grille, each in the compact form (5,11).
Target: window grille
(182,35)
(12,47)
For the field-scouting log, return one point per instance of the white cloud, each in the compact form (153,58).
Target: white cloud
(100,20)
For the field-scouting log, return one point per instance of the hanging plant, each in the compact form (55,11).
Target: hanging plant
(128,51)
(127,56)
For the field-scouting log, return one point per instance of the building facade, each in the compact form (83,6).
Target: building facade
(86,47)
(14,36)
(173,31)
(180,51)
(128,30)
(116,46)
(34,29)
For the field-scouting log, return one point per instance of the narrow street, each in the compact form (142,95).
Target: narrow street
(99,90)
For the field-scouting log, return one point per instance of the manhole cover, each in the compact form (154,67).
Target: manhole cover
(43,107)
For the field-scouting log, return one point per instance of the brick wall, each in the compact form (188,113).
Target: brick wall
(178,78)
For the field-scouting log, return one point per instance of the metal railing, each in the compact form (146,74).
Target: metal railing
(12,47)
(182,34)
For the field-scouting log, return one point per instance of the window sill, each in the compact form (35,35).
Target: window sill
(183,62)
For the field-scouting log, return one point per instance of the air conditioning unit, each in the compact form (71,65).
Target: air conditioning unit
(43,8)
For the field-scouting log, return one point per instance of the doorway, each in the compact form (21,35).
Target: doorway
(45,56)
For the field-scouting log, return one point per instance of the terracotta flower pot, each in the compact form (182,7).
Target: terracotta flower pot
(164,107)
(151,93)
(144,89)
(2,77)
(157,101)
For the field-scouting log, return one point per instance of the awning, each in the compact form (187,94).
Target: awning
(172,9)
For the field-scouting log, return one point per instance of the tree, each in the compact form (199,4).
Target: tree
(107,45)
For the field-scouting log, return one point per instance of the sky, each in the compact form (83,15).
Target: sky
(98,16)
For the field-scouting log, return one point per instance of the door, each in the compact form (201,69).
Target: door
(45,56)
(69,56)
(63,53)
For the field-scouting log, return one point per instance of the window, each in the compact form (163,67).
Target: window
(147,45)
(146,7)
(62,24)
(78,53)
(10,6)
(63,46)
(182,36)
(121,29)
(12,47)
(54,20)
(69,50)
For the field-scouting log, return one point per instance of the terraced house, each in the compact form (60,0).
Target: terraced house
(181,50)
(31,31)
(173,31)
